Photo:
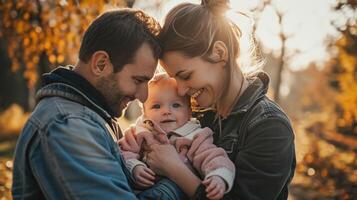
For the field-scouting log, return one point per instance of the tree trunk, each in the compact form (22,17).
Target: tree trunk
(13,88)
(279,75)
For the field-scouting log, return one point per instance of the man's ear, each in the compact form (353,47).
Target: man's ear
(219,52)
(100,63)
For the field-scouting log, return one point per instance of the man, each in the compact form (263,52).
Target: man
(68,148)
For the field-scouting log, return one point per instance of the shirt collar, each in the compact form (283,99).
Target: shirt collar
(187,128)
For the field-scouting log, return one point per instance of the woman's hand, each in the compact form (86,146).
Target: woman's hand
(163,159)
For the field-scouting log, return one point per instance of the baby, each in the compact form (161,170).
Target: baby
(167,119)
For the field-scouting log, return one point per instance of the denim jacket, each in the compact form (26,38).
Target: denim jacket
(68,149)
(258,138)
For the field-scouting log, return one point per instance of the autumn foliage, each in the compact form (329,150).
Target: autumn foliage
(327,131)
(346,79)
(46,32)
(39,35)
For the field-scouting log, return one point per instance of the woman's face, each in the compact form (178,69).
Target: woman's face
(196,77)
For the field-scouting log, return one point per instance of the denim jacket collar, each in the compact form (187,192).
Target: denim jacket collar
(67,76)
(63,82)
(258,87)
(71,93)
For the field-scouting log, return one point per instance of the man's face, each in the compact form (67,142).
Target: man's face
(130,83)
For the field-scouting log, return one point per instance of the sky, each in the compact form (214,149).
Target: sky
(306,23)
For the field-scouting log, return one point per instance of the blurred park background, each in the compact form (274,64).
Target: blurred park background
(310,49)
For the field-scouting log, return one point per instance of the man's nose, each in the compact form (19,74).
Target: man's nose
(142,94)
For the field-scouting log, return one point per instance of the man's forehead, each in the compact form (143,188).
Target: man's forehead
(145,54)
(144,68)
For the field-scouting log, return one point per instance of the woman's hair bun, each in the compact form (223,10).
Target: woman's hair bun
(217,7)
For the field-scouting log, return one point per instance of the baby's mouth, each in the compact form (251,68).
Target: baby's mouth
(168,121)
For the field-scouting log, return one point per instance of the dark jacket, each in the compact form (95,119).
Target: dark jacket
(258,138)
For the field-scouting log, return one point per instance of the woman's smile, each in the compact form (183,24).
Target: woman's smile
(197,93)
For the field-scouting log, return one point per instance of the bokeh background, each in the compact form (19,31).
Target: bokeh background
(310,53)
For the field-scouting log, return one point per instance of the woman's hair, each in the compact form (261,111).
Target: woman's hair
(192,29)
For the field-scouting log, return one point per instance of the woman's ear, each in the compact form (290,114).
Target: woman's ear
(100,63)
(219,52)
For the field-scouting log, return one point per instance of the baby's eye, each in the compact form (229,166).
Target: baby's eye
(176,105)
(155,106)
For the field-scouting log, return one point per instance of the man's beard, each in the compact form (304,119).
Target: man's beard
(115,106)
(113,95)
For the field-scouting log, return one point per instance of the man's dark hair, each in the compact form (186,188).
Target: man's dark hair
(120,33)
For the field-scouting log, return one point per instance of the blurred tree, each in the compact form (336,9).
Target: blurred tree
(285,55)
(329,99)
(327,155)
(39,35)
(282,62)
(311,87)
(13,87)
(345,69)
(345,73)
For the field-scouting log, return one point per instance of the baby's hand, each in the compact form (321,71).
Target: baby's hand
(144,176)
(215,187)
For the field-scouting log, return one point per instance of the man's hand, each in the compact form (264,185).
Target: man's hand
(144,177)
(215,187)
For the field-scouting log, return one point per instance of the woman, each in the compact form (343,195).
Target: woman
(200,48)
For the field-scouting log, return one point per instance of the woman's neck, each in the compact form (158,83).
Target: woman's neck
(236,88)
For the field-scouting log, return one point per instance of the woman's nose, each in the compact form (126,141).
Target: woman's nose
(182,89)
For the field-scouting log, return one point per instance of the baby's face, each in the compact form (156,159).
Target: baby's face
(165,107)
